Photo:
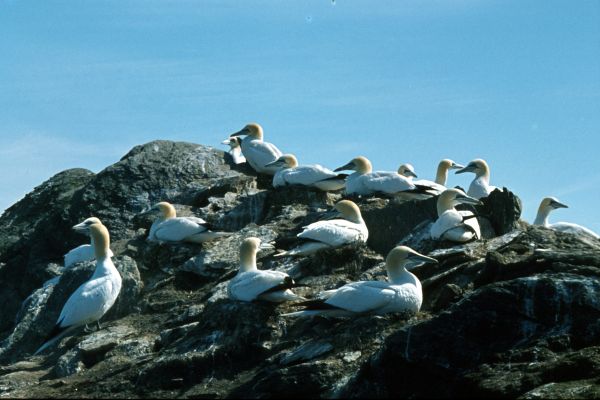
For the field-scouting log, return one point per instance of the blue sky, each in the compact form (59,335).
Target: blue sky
(514,82)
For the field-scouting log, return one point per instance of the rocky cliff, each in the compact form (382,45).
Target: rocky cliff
(512,315)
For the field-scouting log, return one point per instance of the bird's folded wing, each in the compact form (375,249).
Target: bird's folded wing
(261,153)
(176,229)
(249,285)
(88,302)
(335,232)
(362,296)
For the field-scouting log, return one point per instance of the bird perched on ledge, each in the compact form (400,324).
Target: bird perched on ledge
(95,297)
(549,204)
(258,153)
(290,173)
(402,292)
(331,233)
(171,228)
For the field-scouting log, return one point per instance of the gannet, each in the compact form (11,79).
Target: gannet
(170,228)
(441,176)
(257,152)
(551,203)
(454,225)
(290,173)
(95,297)
(235,149)
(402,292)
(480,187)
(364,181)
(85,252)
(251,283)
(332,233)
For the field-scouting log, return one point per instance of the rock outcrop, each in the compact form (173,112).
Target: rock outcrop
(512,315)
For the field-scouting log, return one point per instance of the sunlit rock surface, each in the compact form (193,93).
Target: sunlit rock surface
(515,314)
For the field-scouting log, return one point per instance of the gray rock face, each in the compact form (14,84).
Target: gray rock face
(512,315)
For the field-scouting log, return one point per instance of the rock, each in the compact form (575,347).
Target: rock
(514,314)
(306,352)
(46,304)
(462,350)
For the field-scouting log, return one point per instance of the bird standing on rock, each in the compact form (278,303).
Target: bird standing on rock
(95,297)
(258,153)
(480,187)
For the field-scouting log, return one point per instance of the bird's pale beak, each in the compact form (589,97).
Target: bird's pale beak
(456,166)
(147,211)
(468,200)
(242,132)
(226,141)
(81,228)
(468,168)
(350,165)
(420,258)
(266,246)
(410,173)
(557,204)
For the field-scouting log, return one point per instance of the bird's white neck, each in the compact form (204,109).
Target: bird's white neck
(236,154)
(248,262)
(399,274)
(442,175)
(443,206)
(483,175)
(542,216)
(104,266)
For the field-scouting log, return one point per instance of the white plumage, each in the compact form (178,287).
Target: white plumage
(437,187)
(332,233)
(402,292)
(549,204)
(454,225)
(315,175)
(95,297)
(366,182)
(251,283)
(480,186)
(170,228)
(235,149)
(82,253)
(258,153)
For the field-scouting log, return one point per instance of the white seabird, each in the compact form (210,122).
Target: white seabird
(332,233)
(95,297)
(251,283)
(402,292)
(451,224)
(480,187)
(549,204)
(441,176)
(235,149)
(364,181)
(171,228)
(258,153)
(82,253)
(290,173)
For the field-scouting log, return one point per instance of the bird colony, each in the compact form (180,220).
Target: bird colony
(402,292)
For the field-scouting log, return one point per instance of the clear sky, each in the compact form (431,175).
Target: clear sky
(515,82)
